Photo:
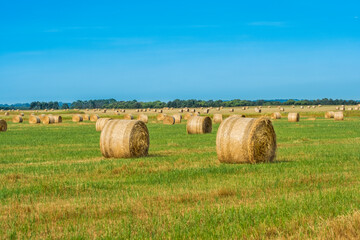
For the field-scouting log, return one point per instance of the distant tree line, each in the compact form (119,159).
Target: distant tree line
(193,103)
(177,103)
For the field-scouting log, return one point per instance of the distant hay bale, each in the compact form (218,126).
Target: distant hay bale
(199,125)
(329,114)
(3,125)
(217,118)
(293,117)
(187,116)
(258,110)
(160,116)
(217,109)
(100,123)
(160,111)
(269,106)
(276,115)
(144,118)
(337,108)
(77,118)
(22,114)
(356,108)
(86,117)
(308,107)
(48,120)
(58,119)
(246,140)
(137,110)
(243,108)
(231,110)
(177,118)
(94,117)
(104,111)
(206,111)
(124,139)
(34,119)
(194,110)
(313,106)
(338,116)
(350,109)
(293,106)
(302,107)
(7,114)
(128,117)
(180,111)
(342,108)
(282,109)
(169,120)
(17,119)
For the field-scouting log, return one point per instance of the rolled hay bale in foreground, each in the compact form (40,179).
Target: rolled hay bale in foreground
(217,118)
(42,116)
(276,115)
(187,116)
(169,120)
(144,118)
(124,139)
(17,119)
(3,125)
(177,118)
(293,117)
(86,117)
(128,117)
(94,117)
(160,117)
(34,119)
(329,114)
(48,119)
(258,110)
(338,116)
(199,125)
(100,123)
(246,140)
(77,118)
(58,119)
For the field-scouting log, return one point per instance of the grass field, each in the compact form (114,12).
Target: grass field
(54,183)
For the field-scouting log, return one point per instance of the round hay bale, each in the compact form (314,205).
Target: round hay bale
(338,116)
(293,117)
(217,118)
(42,116)
(258,110)
(48,120)
(180,111)
(206,111)
(17,119)
(194,110)
(342,108)
(246,140)
(100,123)
(243,108)
(231,110)
(282,109)
(94,117)
(199,125)
(302,107)
(3,125)
(276,115)
(177,118)
(144,118)
(187,116)
(104,111)
(329,114)
(217,109)
(160,117)
(349,109)
(124,139)
(160,111)
(22,114)
(58,119)
(34,119)
(7,113)
(169,120)
(337,108)
(128,117)
(137,110)
(308,107)
(77,118)
(86,117)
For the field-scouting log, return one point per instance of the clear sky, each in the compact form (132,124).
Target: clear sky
(163,50)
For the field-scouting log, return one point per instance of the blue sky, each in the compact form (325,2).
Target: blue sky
(163,50)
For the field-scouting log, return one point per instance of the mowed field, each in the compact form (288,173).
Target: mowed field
(54,183)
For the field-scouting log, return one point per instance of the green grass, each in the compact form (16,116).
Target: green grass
(54,183)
